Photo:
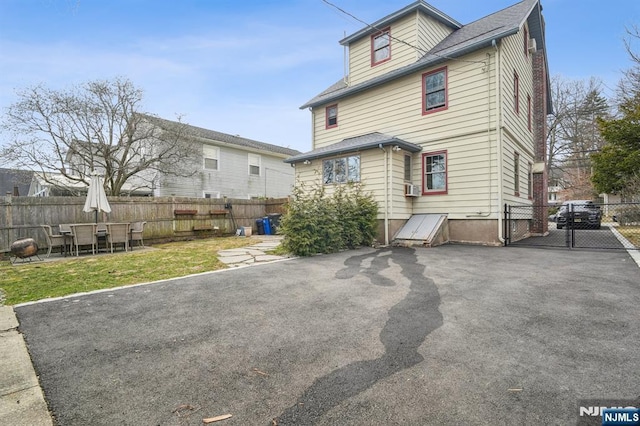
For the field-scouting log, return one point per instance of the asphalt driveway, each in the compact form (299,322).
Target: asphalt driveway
(448,335)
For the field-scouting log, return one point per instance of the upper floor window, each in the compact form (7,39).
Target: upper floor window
(331,113)
(434,91)
(341,170)
(211,155)
(254,164)
(516,92)
(381,47)
(435,173)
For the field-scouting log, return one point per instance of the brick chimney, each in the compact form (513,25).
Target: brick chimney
(540,225)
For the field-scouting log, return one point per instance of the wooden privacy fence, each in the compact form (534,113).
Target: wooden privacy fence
(167,217)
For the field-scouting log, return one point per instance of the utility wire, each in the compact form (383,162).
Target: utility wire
(417,48)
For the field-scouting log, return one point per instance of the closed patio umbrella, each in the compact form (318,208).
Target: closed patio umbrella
(96,197)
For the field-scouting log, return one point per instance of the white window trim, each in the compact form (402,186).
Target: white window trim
(257,157)
(213,153)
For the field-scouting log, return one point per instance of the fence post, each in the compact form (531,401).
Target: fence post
(505,226)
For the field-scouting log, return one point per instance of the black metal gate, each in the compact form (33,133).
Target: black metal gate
(575,225)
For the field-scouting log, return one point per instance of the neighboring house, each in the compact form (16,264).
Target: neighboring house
(224,166)
(556,189)
(14,182)
(436,117)
(231,166)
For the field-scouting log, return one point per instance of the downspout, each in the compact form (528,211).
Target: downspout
(386,195)
(499,139)
(487,69)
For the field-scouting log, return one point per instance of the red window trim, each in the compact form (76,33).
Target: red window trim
(516,92)
(373,56)
(326,117)
(529,112)
(446,173)
(446,91)
(526,43)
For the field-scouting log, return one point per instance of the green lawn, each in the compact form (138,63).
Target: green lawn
(39,280)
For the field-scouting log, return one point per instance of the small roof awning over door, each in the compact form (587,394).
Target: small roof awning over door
(355,144)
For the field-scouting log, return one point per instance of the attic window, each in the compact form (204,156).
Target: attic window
(381,47)
(332,116)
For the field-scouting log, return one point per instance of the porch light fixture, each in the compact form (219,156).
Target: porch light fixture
(306,162)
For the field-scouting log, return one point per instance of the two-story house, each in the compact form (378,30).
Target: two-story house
(219,165)
(439,118)
(230,166)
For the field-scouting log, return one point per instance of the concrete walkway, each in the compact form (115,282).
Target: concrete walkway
(250,255)
(21,399)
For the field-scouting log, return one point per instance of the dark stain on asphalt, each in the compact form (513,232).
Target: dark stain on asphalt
(410,322)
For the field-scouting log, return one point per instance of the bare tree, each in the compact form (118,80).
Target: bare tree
(97,126)
(573,132)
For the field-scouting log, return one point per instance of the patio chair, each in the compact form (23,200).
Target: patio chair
(84,234)
(53,240)
(118,233)
(137,229)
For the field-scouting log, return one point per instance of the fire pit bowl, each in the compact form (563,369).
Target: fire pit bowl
(24,248)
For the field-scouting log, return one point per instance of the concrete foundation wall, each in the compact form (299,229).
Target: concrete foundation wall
(474,231)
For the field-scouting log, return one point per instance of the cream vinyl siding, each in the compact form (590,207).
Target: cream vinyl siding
(516,135)
(360,68)
(464,130)
(430,33)
(395,108)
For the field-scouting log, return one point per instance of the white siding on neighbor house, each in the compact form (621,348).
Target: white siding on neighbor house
(360,68)
(232,179)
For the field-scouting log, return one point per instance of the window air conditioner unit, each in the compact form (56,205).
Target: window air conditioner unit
(533,47)
(411,190)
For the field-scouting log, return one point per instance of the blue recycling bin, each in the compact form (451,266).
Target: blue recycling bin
(267,225)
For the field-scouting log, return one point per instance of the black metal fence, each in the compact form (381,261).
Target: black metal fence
(576,225)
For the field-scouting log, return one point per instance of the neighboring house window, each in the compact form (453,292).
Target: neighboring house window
(254,165)
(516,92)
(516,174)
(526,43)
(434,91)
(381,47)
(529,112)
(530,182)
(332,116)
(553,196)
(407,168)
(211,155)
(435,173)
(341,170)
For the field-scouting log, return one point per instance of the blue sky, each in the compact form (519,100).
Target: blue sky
(245,67)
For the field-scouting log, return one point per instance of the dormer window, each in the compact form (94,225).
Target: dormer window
(381,47)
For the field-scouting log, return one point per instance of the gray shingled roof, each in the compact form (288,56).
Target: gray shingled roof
(12,178)
(215,136)
(355,144)
(476,35)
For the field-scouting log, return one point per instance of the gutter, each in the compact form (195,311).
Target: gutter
(439,58)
